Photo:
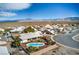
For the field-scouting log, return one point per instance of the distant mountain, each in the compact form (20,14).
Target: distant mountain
(68,19)
(72,18)
(31,20)
(8,20)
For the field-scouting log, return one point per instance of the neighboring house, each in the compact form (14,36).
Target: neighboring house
(18,29)
(48,26)
(7,36)
(1,29)
(42,29)
(55,26)
(45,28)
(51,31)
(4,50)
(30,35)
(61,29)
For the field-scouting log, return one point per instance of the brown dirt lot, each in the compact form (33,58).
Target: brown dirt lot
(42,23)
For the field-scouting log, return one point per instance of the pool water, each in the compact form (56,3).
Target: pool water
(35,44)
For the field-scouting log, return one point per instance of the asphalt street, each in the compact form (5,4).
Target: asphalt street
(67,40)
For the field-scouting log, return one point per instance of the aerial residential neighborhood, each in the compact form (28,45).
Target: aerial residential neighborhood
(39,28)
(32,40)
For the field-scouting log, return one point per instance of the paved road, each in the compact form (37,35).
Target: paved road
(67,40)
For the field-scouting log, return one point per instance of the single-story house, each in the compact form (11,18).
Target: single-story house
(19,29)
(30,35)
(48,26)
(51,31)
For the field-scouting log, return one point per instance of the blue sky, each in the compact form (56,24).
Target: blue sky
(13,11)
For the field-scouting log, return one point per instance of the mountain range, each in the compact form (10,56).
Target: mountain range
(58,19)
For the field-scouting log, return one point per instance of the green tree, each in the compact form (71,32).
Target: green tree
(16,42)
(29,29)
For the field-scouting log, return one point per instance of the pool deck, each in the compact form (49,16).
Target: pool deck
(40,52)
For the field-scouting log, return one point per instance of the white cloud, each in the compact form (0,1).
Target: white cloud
(5,19)
(2,19)
(14,6)
(7,14)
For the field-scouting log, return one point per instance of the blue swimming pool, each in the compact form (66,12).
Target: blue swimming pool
(35,44)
